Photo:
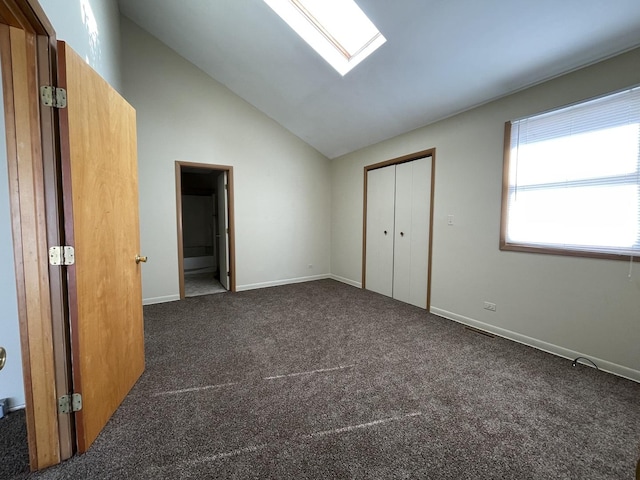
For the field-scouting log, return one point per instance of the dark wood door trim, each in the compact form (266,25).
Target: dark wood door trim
(55,236)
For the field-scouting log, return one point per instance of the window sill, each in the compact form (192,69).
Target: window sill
(517,247)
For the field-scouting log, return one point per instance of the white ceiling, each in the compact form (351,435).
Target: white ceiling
(441,57)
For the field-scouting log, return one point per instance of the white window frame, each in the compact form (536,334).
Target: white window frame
(510,185)
(312,31)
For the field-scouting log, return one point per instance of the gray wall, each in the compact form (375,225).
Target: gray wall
(570,306)
(282,185)
(92,29)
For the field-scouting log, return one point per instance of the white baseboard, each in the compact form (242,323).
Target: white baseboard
(15,408)
(253,286)
(353,283)
(603,365)
(275,283)
(167,298)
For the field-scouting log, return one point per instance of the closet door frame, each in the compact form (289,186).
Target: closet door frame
(396,161)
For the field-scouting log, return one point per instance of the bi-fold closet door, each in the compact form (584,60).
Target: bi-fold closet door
(397,233)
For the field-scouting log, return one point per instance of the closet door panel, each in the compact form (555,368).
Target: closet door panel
(411,249)
(380,219)
(402,236)
(420,225)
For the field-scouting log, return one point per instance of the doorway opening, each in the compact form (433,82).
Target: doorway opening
(206,256)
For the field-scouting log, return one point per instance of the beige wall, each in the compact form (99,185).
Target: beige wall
(282,202)
(571,306)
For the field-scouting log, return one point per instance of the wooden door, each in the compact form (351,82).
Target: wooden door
(411,239)
(379,233)
(32,216)
(100,184)
(223,224)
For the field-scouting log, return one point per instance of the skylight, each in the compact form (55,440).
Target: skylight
(337,29)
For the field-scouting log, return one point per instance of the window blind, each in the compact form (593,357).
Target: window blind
(574,177)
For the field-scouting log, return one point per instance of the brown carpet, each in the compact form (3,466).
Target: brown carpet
(13,445)
(323,380)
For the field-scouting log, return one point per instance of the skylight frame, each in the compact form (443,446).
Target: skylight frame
(303,22)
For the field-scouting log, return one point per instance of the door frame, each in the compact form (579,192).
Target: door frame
(431,152)
(230,212)
(28,56)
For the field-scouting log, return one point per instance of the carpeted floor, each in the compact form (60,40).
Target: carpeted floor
(13,445)
(322,380)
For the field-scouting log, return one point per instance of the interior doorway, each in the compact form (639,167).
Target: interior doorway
(205,228)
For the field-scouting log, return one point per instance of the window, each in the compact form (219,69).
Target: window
(337,29)
(572,180)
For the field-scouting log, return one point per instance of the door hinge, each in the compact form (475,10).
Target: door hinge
(228,274)
(70,403)
(53,97)
(61,256)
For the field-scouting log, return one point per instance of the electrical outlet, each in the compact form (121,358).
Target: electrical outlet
(490,306)
(449,219)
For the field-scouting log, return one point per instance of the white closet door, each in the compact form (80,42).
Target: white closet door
(380,218)
(223,223)
(411,238)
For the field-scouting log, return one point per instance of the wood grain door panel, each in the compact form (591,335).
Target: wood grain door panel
(100,183)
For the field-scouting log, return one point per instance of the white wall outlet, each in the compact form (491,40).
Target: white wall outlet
(490,306)
(449,219)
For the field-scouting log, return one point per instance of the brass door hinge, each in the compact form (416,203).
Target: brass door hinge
(62,256)
(53,97)
(70,403)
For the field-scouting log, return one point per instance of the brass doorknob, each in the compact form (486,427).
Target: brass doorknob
(3,357)
(141,259)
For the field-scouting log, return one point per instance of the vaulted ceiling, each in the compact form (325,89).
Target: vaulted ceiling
(441,57)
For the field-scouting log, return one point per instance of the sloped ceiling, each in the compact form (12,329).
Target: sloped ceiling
(441,57)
